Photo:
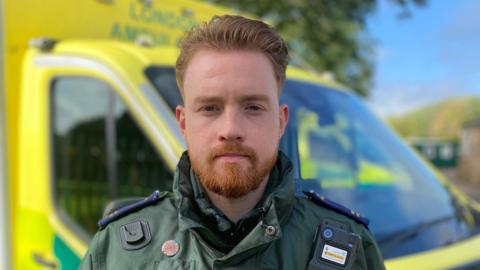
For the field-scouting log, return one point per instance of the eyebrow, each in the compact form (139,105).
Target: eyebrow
(255,97)
(207,99)
(244,98)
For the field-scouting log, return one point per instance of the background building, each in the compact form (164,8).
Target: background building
(469,154)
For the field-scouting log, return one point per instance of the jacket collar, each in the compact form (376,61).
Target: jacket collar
(195,209)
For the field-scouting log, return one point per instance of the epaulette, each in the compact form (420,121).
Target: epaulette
(121,212)
(322,201)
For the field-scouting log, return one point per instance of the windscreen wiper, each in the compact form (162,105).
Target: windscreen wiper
(398,237)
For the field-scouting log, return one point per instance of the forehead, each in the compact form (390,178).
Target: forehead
(212,72)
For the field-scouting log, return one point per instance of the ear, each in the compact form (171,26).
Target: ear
(283,118)
(180,115)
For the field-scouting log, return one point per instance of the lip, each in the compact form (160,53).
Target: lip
(231,157)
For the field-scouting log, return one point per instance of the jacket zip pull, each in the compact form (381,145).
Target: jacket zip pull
(270,231)
(263,213)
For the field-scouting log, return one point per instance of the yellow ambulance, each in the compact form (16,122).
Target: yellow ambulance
(87,92)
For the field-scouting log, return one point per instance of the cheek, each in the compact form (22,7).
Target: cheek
(269,126)
(196,137)
(266,134)
(192,125)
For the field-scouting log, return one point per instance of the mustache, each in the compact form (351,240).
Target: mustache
(232,148)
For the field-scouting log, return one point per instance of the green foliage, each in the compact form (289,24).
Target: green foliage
(328,34)
(440,120)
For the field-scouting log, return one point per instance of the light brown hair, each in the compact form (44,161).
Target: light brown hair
(230,32)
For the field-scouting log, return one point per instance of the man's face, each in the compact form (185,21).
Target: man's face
(231,119)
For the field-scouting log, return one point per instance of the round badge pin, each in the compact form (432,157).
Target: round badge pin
(170,248)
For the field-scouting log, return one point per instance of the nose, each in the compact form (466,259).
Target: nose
(231,127)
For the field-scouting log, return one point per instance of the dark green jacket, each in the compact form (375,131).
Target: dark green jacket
(277,234)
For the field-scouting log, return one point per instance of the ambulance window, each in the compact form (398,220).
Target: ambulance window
(99,153)
(164,81)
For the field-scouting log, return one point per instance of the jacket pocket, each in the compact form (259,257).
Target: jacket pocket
(175,265)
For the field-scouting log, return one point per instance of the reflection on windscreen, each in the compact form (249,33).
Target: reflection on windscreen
(341,151)
(337,149)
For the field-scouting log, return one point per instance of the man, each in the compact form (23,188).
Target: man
(233,203)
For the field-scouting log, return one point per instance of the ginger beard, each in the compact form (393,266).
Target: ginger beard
(232,180)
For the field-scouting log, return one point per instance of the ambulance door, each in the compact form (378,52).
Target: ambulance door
(83,147)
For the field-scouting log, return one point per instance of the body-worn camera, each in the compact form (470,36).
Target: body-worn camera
(334,247)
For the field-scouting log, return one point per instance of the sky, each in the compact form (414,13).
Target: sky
(431,56)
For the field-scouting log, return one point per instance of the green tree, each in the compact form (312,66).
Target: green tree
(330,35)
(443,119)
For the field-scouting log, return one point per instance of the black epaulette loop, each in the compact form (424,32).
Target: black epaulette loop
(322,201)
(150,200)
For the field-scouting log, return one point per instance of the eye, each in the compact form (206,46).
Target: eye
(210,108)
(254,107)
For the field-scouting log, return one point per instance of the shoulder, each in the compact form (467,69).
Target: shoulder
(115,212)
(320,203)
(136,226)
(132,226)
(315,211)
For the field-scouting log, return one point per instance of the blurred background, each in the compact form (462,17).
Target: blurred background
(427,85)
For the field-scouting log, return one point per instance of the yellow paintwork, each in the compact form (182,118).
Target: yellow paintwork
(297,73)
(33,189)
(442,258)
(34,197)
(77,245)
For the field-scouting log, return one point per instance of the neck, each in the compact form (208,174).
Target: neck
(236,208)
